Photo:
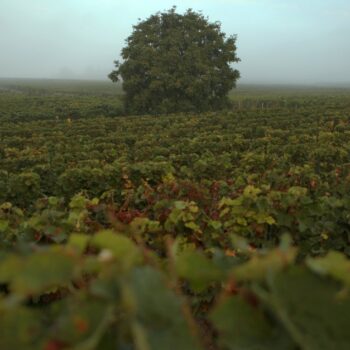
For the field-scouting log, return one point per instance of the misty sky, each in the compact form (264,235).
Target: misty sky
(279,41)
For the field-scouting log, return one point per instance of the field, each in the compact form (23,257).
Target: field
(227,230)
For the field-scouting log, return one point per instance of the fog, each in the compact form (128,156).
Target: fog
(279,41)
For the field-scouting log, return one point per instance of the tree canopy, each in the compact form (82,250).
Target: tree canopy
(177,63)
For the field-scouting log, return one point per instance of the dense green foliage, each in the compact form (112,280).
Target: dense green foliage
(215,231)
(177,63)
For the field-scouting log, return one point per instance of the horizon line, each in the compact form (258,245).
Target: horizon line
(249,82)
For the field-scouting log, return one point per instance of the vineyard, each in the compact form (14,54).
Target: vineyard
(227,230)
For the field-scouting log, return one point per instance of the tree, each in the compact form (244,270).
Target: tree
(176,63)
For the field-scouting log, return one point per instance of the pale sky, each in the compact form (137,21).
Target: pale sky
(279,41)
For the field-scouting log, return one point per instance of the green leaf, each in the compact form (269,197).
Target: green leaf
(180,205)
(251,192)
(261,267)
(159,312)
(335,264)
(20,329)
(78,202)
(122,248)
(83,322)
(4,224)
(297,191)
(240,244)
(10,266)
(6,206)
(79,241)
(216,225)
(263,218)
(193,226)
(311,309)
(142,225)
(38,272)
(197,269)
(241,221)
(43,270)
(242,326)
